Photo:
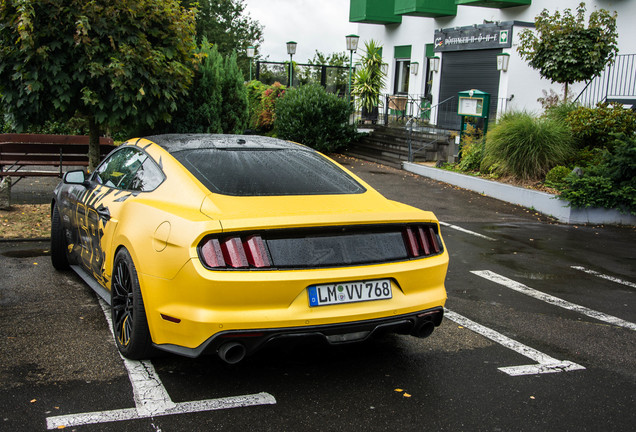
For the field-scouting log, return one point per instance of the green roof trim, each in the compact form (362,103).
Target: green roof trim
(498,4)
(373,12)
(426,8)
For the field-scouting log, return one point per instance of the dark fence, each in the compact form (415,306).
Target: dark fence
(334,79)
(617,83)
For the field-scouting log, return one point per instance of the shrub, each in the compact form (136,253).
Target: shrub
(560,111)
(526,147)
(234,109)
(311,116)
(269,98)
(556,177)
(200,110)
(592,127)
(472,151)
(610,184)
(255,90)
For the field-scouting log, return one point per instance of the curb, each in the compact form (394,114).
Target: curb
(20,240)
(548,204)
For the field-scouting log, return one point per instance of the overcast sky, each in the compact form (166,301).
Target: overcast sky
(314,24)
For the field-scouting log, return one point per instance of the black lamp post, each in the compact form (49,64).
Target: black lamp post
(291,50)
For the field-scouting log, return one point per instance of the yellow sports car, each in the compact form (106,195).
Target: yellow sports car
(223,243)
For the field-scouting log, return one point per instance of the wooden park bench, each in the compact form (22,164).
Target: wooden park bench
(29,155)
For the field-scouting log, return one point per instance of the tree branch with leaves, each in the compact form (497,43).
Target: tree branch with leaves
(564,50)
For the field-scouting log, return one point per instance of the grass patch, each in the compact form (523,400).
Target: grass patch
(25,221)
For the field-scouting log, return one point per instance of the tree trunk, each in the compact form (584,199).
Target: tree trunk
(565,97)
(93,144)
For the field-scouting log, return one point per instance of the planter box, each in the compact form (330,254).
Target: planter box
(542,202)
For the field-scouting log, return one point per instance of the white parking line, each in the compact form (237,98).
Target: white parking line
(546,364)
(151,397)
(519,287)
(464,230)
(602,276)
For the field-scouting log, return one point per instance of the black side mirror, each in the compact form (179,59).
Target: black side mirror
(77,177)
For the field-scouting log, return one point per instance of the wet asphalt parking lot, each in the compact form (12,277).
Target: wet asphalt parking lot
(539,335)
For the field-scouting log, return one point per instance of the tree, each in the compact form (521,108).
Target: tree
(368,81)
(115,62)
(563,50)
(199,111)
(225,24)
(234,109)
(333,59)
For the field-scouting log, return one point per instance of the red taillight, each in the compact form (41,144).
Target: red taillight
(421,240)
(235,252)
(411,242)
(434,241)
(212,254)
(255,252)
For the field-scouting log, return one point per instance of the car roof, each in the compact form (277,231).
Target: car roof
(178,142)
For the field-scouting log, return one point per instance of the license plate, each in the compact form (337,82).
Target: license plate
(349,292)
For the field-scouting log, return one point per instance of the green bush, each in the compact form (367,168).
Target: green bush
(472,151)
(311,116)
(610,184)
(593,127)
(526,147)
(200,110)
(234,109)
(555,178)
(255,91)
(266,114)
(560,111)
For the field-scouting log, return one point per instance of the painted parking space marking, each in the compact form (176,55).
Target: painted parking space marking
(545,363)
(464,230)
(151,397)
(556,301)
(606,277)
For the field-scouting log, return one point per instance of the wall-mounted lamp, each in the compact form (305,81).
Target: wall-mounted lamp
(503,60)
(434,63)
(384,68)
(415,67)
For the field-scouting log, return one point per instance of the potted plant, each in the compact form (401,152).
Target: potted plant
(368,81)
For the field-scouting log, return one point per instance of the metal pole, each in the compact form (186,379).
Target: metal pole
(350,67)
(291,72)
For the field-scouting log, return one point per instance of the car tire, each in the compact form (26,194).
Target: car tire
(130,325)
(59,257)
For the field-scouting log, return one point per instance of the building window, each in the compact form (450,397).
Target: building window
(402,73)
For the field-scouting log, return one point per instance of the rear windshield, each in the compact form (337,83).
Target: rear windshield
(267,172)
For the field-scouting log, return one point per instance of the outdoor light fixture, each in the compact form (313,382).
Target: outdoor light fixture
(352,42)
(352,46)
(503,60)
(415,66)
(251,51)
(291,50)
(434,63)
(385,68)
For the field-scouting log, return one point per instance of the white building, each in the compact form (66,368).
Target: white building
(467,36)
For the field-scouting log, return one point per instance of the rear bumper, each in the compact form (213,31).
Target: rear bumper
(419,324)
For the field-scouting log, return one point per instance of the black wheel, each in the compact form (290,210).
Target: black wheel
(59,257)
(127,307)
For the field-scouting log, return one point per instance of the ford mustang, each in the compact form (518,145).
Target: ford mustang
(223,243)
